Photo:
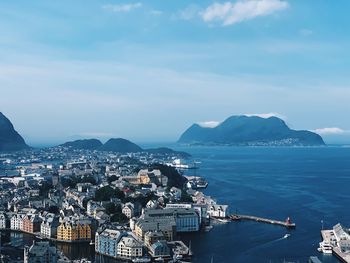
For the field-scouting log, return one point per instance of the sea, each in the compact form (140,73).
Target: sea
(311,185)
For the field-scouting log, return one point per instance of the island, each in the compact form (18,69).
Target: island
(250,131)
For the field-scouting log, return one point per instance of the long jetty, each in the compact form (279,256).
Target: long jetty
(287,223)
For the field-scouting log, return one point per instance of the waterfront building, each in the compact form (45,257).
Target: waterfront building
(31,223)
(106,242)
(187,219)
(40,252)
(166,225)
(160,249)
(17,221)
(74,231)
(219,211)
(129,247)
(2,221)
(48,227)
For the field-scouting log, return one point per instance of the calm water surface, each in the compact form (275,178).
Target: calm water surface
(307,184)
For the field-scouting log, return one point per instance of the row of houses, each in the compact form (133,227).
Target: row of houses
(49,226)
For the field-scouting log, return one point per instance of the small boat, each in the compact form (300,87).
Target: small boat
(92,243)
(141,260)
(286,236)
(223,220)
(160,259)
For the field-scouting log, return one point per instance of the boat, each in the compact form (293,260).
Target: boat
(286,236)
(325,247)
(92,243)
(222,220)
(141,260)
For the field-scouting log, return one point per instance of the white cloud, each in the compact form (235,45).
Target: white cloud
(305,32)
(330,131)
(209,124)
(230,13)
(267,115)
(123,7)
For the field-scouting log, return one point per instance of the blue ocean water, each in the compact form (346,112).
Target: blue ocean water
(307,184)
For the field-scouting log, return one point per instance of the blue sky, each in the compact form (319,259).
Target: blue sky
(146,70)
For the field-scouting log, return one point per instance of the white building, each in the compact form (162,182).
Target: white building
(48,227)
(218,211)
(129,247)
(2,221)
(129,210)
(17,221)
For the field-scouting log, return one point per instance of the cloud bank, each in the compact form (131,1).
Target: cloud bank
(330,131)
(230,13)
(122,7)
(267,115)
(209,124)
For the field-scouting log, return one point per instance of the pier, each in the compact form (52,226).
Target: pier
(288,223)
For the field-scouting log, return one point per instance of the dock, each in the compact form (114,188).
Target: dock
(328,236)
(288,223)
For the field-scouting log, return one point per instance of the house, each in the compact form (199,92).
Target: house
(31,223)
(129,247)
(219,211)
(48,227)
(2,221)
(128,210)
(16,222)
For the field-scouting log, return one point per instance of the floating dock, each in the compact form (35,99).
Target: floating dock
(288,223)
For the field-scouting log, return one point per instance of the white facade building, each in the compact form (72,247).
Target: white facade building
(217,211)
(17,221)
(129,247)
(129,210)
(2,221)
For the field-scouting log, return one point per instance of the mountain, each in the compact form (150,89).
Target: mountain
(120,145)
(253,130)
(85,144)
(10,140)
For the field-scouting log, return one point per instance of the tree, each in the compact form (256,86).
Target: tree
(185,197)
(106,193)
(112,178)
(110,208)
(119,217)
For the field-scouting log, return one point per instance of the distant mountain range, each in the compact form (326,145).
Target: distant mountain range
(236,130)
(250,131)
(118,145)
(10,140)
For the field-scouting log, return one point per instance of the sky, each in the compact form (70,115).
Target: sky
(147,70)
